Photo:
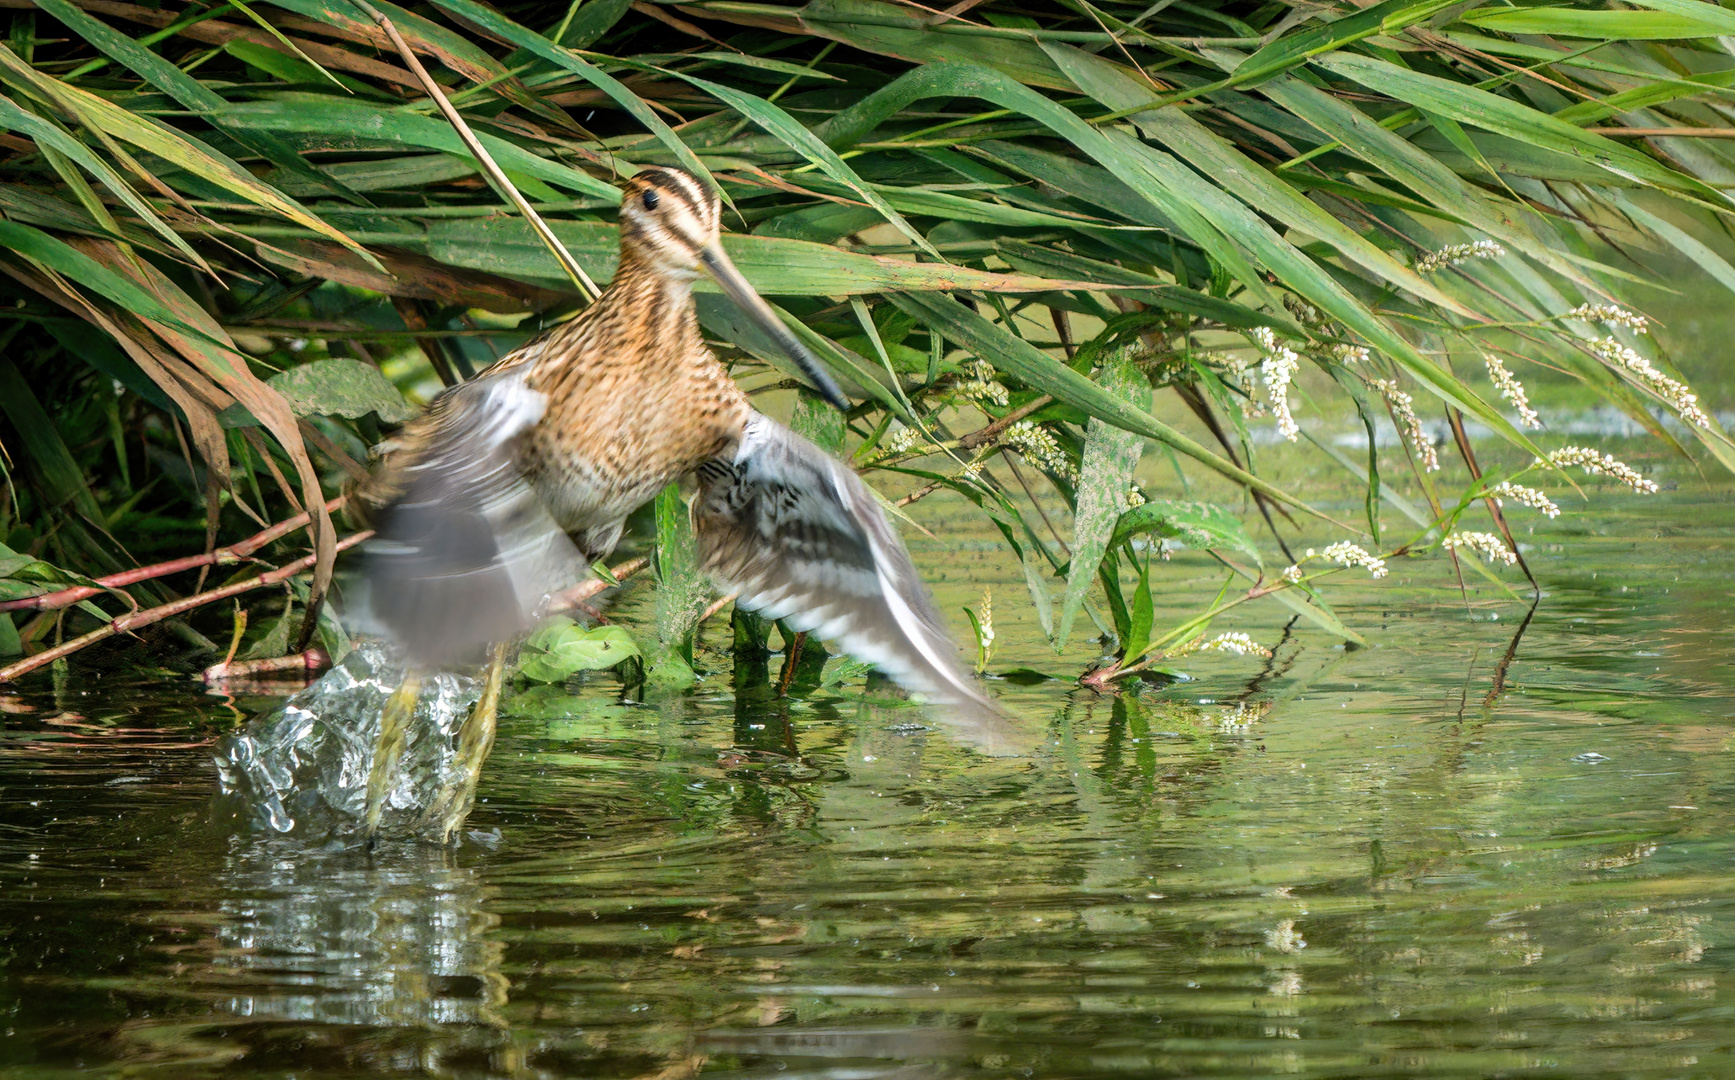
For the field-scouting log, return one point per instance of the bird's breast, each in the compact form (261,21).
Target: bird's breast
(612,439)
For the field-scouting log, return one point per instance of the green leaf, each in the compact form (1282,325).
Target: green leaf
(341,387)
(534,43)
(1143,613)
(1105,474)
(561,648)
(1018,358)
(1196,524)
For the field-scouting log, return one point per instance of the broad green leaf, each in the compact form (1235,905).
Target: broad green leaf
(341,387)
(1105,474)
(1195,524)
(560,648)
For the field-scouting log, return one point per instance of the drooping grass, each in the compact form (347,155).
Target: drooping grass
(219,221)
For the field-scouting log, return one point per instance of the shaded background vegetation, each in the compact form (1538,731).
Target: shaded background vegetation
(241,244)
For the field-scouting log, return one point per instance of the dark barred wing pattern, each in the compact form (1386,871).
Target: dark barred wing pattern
(800,538)
(467,552)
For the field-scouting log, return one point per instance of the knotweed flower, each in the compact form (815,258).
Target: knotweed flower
(1673,391)
(1278,370)
(1292,574)
(1456,253)
(1345,553)
(1512,390)
(982,385)
(1135,498)
(1348,354)
(1404,408)
(1530,497)
(1611,315)
(901,442)
(1040,449)
(1488,545)
(1602,465)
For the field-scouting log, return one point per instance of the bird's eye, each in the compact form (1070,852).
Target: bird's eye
(650,200)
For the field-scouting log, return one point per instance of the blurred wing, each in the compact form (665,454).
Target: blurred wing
(800,538)
(465,551)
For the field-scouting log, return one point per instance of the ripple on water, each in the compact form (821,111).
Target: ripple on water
(1380,868)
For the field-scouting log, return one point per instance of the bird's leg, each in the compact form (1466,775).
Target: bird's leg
(451,804)
(389,746)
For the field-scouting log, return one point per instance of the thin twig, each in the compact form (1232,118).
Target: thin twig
(223,556)
(157,614)
(495,175)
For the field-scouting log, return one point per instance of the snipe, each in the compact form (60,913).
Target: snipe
(514,483)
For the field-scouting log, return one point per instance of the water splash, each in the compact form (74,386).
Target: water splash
(302,770)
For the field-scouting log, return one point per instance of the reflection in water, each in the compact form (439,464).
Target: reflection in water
(336,938)
(1448,855)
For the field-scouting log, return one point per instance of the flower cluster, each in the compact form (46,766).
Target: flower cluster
(1343,553)
(982,385)
(901,442)
(1673,391)
(1135,498)
(1278,370)
(1512,390)
(1602,465)
(1456,253)
(1235,642)
(1404,408)
(1611,315)
(1040,449)
(1348,354)
(1530,497)
(1490,546)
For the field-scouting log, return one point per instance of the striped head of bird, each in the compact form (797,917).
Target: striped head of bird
(671,227)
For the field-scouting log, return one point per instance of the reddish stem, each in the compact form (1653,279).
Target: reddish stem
(169,610)
(309,661)
(234,553)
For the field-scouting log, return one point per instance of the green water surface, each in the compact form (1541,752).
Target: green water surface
(1427,858)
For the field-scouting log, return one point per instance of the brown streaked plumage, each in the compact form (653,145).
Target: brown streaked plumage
(512,484)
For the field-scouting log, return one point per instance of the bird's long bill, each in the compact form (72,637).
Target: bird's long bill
(735,287)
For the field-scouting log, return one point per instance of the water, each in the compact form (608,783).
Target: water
(1366,863)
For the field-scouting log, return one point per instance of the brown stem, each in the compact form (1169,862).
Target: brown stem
(165,611)
(234,553)
(984,435)
(1462,438)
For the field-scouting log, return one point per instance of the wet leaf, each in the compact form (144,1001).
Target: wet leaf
(561,648)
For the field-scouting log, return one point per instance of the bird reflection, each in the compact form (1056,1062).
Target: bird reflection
(347,940)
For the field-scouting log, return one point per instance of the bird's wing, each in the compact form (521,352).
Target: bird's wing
(465,551)
(800,538)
